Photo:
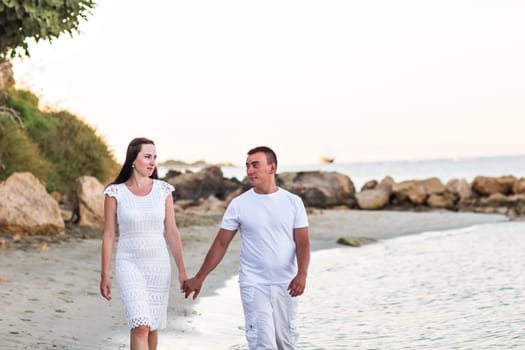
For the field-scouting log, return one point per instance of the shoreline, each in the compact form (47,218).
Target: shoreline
(50,297)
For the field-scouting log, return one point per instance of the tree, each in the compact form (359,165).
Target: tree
(21,20)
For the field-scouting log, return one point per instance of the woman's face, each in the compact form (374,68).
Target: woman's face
(146,160)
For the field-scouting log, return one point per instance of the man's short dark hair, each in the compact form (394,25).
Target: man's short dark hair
(271,157)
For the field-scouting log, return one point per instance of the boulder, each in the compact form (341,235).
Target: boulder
(87,195)
(372,199)
(459,188)
(433,186)
(26,208)
(519,186)
(498,199)
(319,189)
(442,201)
(410,190)
(386,185)
(489,185)
(369,185)
(207,182)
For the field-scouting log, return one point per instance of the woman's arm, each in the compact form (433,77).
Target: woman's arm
(108,239)
(173,239)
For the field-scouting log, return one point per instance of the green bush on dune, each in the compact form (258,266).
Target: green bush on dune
(57,147)
(18,152)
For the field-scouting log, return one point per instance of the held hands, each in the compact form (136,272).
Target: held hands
(192,285)
(182,278)
(297,286)
(105,288)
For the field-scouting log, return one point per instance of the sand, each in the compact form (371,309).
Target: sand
(50,297)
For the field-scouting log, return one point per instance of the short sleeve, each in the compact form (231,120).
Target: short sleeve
(112,191)
(230,219)
(166,188)
(301,218)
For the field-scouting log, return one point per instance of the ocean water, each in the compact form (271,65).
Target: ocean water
(444,169)
(456,289)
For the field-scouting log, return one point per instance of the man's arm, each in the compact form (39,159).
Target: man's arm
(213,258)
(302,252)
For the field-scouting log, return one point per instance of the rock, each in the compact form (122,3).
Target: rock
(417,191)
(441,201)
(433,186)
(319,189)
(386,185)
(207,182)
(498,199)
(372,199)
(459,187)
(369,185)
(87,195)
(355,241)
(489,185)
(56,196)
(519,186)
(26,208)
(411,190)
(67,215)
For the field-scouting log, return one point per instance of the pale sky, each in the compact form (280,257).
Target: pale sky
(357,80)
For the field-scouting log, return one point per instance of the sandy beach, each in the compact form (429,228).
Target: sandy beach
(50,297)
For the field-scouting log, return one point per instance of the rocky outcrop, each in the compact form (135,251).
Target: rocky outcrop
(26,208)
(410,191)
(87,197)
(319,189)
(519,186)
(375,195)
(459,188)
(489,185)
(203,184)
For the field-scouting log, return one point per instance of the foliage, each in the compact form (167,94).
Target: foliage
(18,152)
(21,20)
(77,150)
(37,122)
(65,145)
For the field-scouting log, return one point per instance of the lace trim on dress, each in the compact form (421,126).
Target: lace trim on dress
(166,188)
(112,191)
(139,321)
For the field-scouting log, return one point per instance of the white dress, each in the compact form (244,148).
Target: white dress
(142,268)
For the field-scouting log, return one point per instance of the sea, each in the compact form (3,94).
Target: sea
(444,169)
(454,289)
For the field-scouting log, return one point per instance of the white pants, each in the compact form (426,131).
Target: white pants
(270,316)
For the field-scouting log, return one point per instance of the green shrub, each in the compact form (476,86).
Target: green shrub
(18,153)
(38,123)
(57,147)
(77,150)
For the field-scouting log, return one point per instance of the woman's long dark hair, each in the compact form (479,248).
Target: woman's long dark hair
(134,148)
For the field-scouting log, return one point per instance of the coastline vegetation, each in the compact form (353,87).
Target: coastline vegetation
(56,146)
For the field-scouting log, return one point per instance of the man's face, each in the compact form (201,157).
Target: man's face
(258,170)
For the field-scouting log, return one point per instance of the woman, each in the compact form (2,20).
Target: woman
(142,206)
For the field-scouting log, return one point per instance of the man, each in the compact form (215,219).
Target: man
(275,254)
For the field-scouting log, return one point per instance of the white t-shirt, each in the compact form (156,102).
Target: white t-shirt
(266,222)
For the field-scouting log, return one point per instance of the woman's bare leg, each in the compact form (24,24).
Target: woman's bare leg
(139,338)
(153,340)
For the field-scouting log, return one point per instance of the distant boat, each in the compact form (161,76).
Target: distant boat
(327,160)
